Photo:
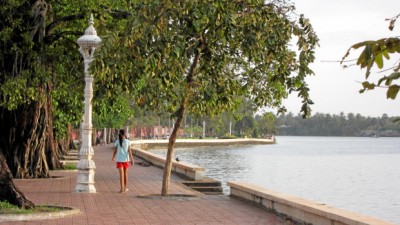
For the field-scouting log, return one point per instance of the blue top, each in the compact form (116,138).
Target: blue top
(122,152)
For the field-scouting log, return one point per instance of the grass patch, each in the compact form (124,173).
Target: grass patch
(227,136)
(69,166)
(7,208)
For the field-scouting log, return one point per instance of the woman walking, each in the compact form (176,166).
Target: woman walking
(123,154)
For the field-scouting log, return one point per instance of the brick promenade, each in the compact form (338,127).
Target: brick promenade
(108,207)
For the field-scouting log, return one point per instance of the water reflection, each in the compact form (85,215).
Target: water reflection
(220,163)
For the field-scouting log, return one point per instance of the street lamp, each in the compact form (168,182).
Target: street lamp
(85,180)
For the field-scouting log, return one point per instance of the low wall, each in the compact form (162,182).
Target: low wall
(298,209)
(187,170)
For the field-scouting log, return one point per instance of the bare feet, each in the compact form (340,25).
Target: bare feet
(126,189)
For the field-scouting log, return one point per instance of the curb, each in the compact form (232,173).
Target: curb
(67,211)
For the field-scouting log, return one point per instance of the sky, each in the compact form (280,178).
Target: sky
(340,24)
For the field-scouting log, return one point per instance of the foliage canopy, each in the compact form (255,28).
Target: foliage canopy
(210,52)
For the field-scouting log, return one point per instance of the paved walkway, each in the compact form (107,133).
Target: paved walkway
(108,207)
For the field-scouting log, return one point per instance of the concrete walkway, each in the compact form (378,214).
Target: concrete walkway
(108,207)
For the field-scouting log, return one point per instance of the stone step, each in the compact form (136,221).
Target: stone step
(207,183)
(213,193)
(70,157)
(69,161)
(206,186)
(203,189)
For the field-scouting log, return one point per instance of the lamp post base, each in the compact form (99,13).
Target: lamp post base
(85,176)
(85,188)
(85,181)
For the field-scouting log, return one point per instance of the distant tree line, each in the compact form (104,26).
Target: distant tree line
(246,121)
(338,125)
(241,122)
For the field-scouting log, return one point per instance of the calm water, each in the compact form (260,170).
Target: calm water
(357,174)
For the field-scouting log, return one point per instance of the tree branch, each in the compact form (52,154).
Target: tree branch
(53,38)
(50,28)
(117,13)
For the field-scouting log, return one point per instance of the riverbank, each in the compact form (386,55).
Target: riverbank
(186,143)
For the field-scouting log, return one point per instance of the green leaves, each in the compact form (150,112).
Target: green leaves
(367,86)
(393,21)
(375,53)
(388,80)
(392,91)
(211,51)
(112,112)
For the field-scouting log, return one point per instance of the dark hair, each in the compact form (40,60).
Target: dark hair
(120,136)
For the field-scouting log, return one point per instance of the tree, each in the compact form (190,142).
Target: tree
(245,126)
(112,113)
(267,124)
(41,80)
(199,56)
(31,72)
(375,52)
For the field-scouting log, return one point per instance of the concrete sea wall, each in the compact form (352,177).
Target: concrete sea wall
(298,209)
(190,171)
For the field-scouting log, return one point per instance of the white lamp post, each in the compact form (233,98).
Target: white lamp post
(85,180)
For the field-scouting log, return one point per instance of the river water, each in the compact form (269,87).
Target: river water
(352,173)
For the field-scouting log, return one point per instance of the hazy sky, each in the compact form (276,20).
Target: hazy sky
(339,24)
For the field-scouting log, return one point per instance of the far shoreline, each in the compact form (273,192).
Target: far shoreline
(185,143)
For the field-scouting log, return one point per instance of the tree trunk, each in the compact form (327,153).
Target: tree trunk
(170,153)
(108,140)
(104,141)
(62,147)
(26,139)
(71,144)
(9,192)
(180,115)
(94,136)
(70,141)
(53,149)
(65,145)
